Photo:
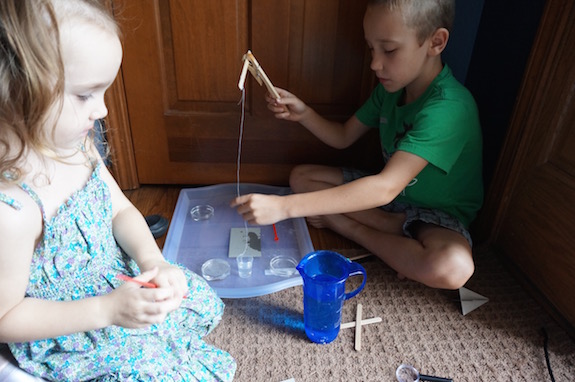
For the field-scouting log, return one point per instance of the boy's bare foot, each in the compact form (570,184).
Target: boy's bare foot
(317,221)
(338,222)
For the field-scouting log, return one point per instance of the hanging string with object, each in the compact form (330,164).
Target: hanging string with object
(238,161)
(251,65)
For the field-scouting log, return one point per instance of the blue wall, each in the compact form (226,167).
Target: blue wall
(487,51)
(459,49)
(502,46)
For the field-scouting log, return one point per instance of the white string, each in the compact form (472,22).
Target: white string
(238,162)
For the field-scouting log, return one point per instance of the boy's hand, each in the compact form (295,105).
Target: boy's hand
(288,106)
(260,209)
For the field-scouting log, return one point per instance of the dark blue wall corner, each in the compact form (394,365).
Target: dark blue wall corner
(459,49)
(502,46)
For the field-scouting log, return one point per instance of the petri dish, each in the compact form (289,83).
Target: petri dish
(202,212)
(283,266)
(215,269)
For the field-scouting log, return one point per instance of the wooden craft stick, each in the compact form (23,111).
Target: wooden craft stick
(368,321)
(242,81)
(358,328)
(359,257)
(259,74)
(252,65)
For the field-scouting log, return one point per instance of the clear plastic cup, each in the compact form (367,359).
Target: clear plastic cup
(245,265)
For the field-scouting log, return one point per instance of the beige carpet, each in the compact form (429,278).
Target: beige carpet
(500,341)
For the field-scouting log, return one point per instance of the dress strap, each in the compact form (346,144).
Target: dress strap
(10,201)
(18,206)
(34,197)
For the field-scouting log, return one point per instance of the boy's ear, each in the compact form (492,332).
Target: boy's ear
(438,41)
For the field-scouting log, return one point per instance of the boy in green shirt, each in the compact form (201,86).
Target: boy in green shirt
(414,214)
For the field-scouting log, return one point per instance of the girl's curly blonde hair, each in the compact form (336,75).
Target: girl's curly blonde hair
(32,72)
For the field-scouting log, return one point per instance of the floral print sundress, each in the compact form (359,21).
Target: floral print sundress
(78,257)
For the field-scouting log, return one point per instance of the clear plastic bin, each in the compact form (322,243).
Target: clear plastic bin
(192,243)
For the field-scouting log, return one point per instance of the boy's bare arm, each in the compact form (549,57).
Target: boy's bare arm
(361,194)
(365,193)
(334,134)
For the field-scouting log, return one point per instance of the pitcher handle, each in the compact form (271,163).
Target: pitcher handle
(355,270)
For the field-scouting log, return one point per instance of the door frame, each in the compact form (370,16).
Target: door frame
(119,137)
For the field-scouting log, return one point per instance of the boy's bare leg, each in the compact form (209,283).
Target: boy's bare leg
(437,257)
(308,178)
(375,218)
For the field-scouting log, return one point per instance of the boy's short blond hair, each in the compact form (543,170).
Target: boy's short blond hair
(425,16)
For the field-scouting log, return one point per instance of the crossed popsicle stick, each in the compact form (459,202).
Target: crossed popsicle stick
(354,324)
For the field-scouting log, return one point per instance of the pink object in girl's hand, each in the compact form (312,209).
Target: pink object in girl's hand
(133,280)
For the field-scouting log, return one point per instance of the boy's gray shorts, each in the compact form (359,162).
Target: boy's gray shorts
(413,213)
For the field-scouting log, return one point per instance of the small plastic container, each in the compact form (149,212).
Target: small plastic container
(215,269)
(283,266)
(202,212)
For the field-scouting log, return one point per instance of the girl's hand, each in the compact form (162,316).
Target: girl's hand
(260,209)
(288,106)
(168,276)
(132,306)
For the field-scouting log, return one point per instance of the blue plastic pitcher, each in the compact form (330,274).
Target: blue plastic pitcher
(324,274)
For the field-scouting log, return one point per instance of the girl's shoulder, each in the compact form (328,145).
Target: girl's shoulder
(10,201)
(14,197)
(20,216)
(11,195)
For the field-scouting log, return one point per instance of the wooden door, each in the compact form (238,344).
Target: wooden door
(531,208)
(182,60)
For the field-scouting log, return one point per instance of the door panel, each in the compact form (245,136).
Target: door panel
(181,67)
(538,203)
